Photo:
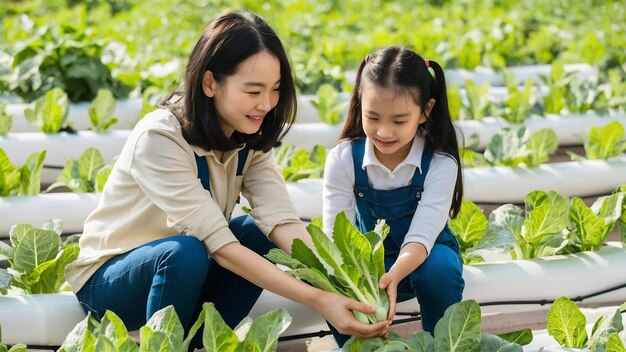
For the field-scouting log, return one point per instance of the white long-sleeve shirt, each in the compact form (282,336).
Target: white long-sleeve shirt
(431,214)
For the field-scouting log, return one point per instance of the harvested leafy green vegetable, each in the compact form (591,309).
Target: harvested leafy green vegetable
(350,265)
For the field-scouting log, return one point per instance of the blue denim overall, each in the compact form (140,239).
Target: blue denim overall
(438,282)
(176,270)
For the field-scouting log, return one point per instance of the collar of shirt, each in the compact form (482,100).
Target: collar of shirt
(414,157)
(228,155)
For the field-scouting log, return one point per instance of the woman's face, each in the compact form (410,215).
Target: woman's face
(244,98)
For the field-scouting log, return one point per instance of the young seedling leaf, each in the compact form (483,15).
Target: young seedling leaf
(217,336)
(490,342)
(264,331)
(166,321)
(522,337)
(566,323)
(459,328)
(611,324)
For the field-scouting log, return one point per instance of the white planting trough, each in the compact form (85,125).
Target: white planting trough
(481,185)
(72,208)
(126,111)
(45,319)
(481,75)
(501,184)
(569,129)
(63,146)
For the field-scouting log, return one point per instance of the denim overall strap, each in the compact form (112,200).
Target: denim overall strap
(358,150)
(363,219)
(203,168)
(419,176)
(396,206)
(242,156)
(203,171)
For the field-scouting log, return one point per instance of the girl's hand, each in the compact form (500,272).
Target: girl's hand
(337,309)
(389,283)
(410,258)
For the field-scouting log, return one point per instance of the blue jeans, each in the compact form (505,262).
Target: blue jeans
(174,271)
(437,284)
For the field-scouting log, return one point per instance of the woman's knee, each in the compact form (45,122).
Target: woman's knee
(249,234)
(186,252)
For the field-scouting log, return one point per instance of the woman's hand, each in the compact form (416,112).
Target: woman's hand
(389,282)
(337,309)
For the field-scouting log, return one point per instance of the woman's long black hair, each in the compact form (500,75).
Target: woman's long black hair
(408,73)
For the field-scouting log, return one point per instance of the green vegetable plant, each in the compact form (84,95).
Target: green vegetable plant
(615,90)
(515,147)
(455,102)
(23,180)
(518,104)
(621,223)
(590,226)
(603,142)
(299,163)
(164,332)
(6,120)
(567,325)
(49,112)
(64,58)
(548,224)
(36,257)
(356,260)
(87,174)
(457,331)
(328,104)
(101,111)
(557,82)
(583,96)
(477,103)
(469,228)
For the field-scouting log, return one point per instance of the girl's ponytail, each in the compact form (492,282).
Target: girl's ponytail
(441,134)
(353,128)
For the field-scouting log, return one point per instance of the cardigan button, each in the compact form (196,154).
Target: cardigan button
(361,194)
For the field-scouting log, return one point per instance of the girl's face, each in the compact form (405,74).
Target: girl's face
(244,98)
(390,120)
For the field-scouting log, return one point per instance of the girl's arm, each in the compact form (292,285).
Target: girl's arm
(434,208)
(333,307)
(428,221)
(411,257)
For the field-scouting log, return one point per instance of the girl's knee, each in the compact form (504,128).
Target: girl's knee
(441,268)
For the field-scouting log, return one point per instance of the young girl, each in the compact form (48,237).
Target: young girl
(398,160)
(161,234)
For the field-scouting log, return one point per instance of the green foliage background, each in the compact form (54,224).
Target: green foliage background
(324,38)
